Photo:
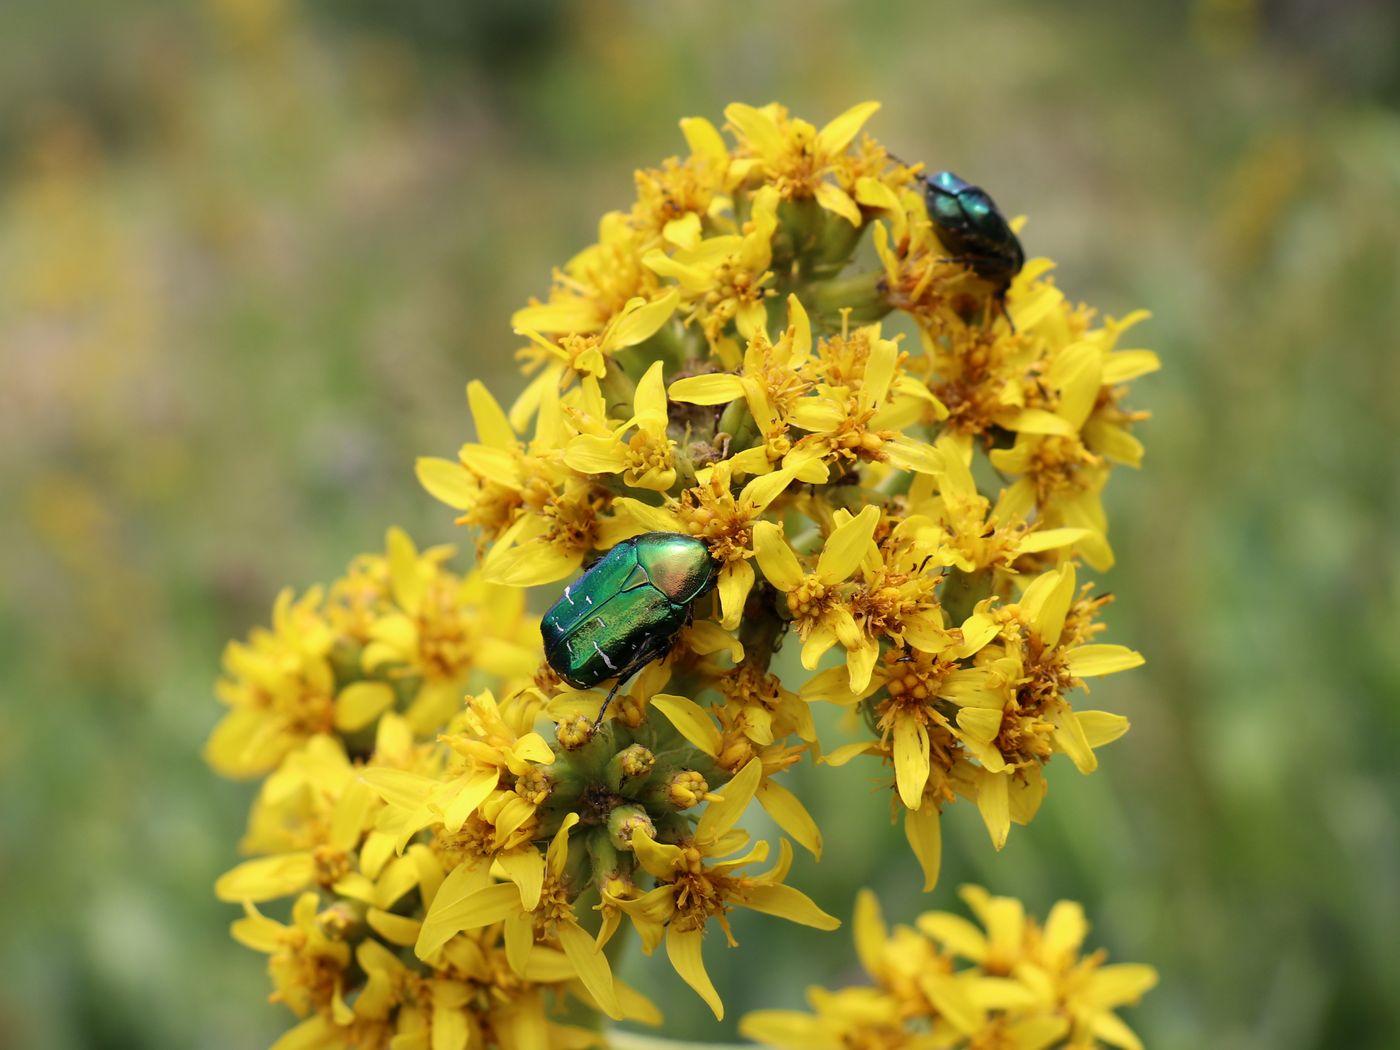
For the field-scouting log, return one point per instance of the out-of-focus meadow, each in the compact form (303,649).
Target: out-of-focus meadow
(251,251)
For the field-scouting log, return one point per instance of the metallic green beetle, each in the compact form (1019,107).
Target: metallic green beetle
(971,227)
(627,609)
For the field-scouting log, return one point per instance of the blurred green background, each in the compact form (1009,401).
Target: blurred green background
(251,251)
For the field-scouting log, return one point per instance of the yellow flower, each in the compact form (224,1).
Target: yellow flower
(441,629)
(280,686)
(1028,987)
(690,892)
(711,511)
(468,900)
(1046,961)
(725,278)
(307,963)
(1039,654)
(777,389)
(818,604)
(861,374)
(645,460)
(583,352)
(795,158)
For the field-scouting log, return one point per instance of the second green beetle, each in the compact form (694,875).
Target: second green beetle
(627,609)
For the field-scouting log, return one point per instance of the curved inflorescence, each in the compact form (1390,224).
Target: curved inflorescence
(895,468)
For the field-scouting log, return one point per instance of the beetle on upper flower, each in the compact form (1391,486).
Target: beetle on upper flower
(627,609)
(972,228)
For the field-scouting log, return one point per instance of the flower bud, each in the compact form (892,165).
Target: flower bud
(624,820)
(685,788)
(533,786)
(574,733)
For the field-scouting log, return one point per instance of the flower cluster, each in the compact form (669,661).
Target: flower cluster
(891,460)
(916,501)
(1009,983)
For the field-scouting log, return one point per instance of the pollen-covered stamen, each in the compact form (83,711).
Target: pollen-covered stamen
(448,642)
(888,599)
(573,519)
(1059,464)
(648,452)
(735,286)
(711,513)
(809,600)
(701,894)
(332,864)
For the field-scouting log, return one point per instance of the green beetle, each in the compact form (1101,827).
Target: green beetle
(627,609)
(974,230)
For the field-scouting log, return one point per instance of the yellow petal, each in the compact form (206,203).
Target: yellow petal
(691,720)
(1121,983)
(955,933)
(923,829)
(760,492)
(266,878)
(843,754)
(846,546)
(525,868)
(860,663)
(838,133)
(735,582)
(995,806)
(564,315)
(780,566)
(640,321)
(1050,539)
(837,201)
(404,576)
(790,1030)
(360,703)
(788,903)
(723,814)
(492,426)
(757,128)
(683,949)
(950,997)
(1113,1031)
(650,401)
(1101,727)
(398,787)
(714,388)
(532,564)
(791,815)
(487,905)
(596,454)
(911,762)
(1088,661)
(704,140)
(472,792)
(447,481)
(396,929)
(1070,737)
(591,965)
(1046,602)
(1123,365)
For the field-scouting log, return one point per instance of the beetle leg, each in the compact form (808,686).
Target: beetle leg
(644,656)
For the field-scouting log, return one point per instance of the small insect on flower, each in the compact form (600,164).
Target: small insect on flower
(627,609)
(974,230)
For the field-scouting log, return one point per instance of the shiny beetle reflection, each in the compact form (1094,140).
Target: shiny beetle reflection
(627,609)
(973,229)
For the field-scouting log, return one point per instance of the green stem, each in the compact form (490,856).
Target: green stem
(962,591)
(862,293)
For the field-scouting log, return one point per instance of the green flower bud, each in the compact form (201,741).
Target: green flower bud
(624,820)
